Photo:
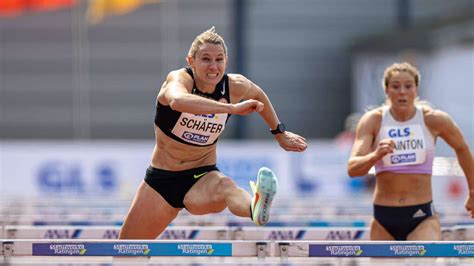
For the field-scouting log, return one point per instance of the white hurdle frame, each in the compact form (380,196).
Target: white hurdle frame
(358,249)
(25,247)
(268,233)
(261,249)
(192,233)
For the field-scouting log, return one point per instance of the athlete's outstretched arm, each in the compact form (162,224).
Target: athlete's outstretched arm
(287,140)
(450,132)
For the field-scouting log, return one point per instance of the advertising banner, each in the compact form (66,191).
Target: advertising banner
(132,249)
(113,170)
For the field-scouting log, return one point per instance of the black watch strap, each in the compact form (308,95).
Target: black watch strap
(279,129)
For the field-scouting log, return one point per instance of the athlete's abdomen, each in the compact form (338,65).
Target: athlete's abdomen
(172,155)
(393,189)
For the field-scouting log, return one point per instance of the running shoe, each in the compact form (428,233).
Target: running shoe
(263,192)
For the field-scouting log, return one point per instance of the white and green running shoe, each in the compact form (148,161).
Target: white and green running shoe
(262,195)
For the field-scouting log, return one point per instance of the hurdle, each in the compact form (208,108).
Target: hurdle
(261,249)
(210,220)
(268,233)
(135,248)
(192,233)
(334,220)
(372,249)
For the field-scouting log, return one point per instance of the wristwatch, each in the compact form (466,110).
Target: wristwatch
(279,129)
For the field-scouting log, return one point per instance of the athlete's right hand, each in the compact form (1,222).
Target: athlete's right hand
(469,205)
(247,107)
(384,147)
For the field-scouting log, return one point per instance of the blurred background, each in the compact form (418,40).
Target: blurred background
(78,82)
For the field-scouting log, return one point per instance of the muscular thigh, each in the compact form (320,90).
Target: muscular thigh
(205,196)
(148,216)
(429,229)
(378,232)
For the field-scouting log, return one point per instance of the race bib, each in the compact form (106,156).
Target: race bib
(199,129)
(409,145)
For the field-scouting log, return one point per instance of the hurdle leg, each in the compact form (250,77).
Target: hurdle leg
(261,250)
(283,250)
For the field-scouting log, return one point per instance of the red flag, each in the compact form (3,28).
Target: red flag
(10,8)
(17,7)
(49,5)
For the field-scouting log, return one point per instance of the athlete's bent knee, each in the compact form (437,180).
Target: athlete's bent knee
(226,185)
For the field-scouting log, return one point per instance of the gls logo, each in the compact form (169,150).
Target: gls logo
(64,177)
(399,133)
(206,115)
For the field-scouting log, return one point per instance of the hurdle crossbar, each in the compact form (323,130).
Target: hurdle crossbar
(374,249)
(191,233)
(137,248)
(268,233)
(282,249)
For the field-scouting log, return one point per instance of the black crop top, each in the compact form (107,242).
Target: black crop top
(192,129)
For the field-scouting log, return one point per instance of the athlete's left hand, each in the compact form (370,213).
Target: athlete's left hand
(470,205)
(291,142)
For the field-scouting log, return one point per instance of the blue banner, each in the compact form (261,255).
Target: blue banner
(393,250)
(132,249)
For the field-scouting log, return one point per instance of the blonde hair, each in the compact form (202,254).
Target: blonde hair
(400,67)
(209,36)
(410,69)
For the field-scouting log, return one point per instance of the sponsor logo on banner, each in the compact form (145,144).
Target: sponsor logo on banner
(99,169)
(132,249)
(389,250)
(408,250)
(344,234)
(69,177)
(111,234)
(403,158)
(344,250)
(200,249)
(59,249)
(196,249)
(62,234)
(464,249)
(286,234)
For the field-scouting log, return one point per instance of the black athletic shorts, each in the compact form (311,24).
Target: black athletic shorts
(173,185)
(401,221)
